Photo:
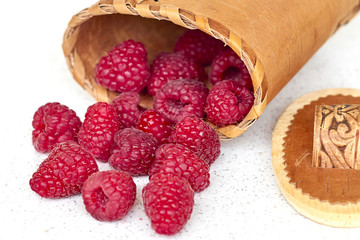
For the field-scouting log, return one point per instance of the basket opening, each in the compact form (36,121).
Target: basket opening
(99,34)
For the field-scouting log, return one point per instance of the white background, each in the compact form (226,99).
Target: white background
(243,200)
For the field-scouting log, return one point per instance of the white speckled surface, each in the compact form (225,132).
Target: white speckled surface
(243,200)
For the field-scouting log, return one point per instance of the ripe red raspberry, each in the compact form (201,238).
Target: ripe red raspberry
(172,66)
(109,195)
(168,201)
(181,161)
(228,103)
(64,171)
(54,123)
(127,107)
(124,68)
(199,46)
(199,137)
(135,151)
(151,121)
(96,134)
(180,98)
(227,65)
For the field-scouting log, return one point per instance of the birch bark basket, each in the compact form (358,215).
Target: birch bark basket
(274,38)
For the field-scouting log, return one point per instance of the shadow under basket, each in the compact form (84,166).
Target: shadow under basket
(273,38)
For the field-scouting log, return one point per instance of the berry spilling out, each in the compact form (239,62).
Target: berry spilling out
(124,68)
(109,195)
(227,65)
(127,107)
(97,133)
(54,123)
(172,66)
(64,171)
(171,143)
(179,160)
(134,151)
(199,137)
(168,201)
(151,121)
(199,46)
(228,103)
(180,98)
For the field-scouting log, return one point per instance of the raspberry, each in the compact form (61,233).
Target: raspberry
(228,66)
(168,201)
(54,123)
(199,46)
(127,107)
(228,103)
(96,134)
(199,137)
(109,195)
(135,151)
(172,66)
(64,171)
(151,121)
(179,160)
(180,98)
(124,68)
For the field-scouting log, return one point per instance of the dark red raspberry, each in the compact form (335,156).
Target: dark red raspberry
(172,66)
(151,121)
(127,107)
(54,123)
(124,68)
(180,98)
(135,151)
(64,171)
(109,195)
(97,133)
(199,46)
(168,201)
(229,66)
(181,161)
(199,137)
(228,103)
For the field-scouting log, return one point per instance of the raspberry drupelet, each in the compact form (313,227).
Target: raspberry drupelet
(124,68)
(54,123)
(227,65)
(228,103)
(64,171)
(153,122)
(109,195)
(168,201)
(97,133)
(180,98)
(127,108)
(199,46)
(199,137)
(134,151)
(172,66)
(180,160)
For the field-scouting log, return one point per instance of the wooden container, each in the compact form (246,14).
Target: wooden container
(274,38)
(327,193)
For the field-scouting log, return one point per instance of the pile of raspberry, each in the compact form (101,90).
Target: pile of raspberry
(171,143)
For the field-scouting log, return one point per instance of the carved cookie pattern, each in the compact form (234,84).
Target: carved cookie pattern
(336,136)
